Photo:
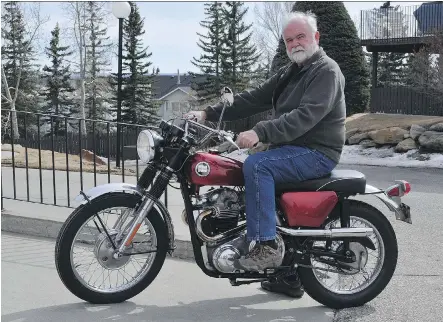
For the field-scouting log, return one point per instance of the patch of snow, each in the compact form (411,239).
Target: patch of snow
(105,160)
(385,156)
(357,155)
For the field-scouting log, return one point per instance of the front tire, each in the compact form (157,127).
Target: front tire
(341,299)
(67,269)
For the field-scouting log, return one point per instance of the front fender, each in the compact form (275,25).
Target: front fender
(401,211)
(101,190)
(107,188)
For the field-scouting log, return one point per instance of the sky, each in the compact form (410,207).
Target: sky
(170,29)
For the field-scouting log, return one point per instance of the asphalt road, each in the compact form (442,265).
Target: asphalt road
(32,291)
(414,294)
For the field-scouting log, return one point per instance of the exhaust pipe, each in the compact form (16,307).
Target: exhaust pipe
(219,237)
(328,233)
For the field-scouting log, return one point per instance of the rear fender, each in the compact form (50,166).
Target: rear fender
(93,193)
(401,210)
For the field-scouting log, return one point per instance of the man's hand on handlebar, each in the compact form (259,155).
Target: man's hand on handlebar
(197,116)
(247,139)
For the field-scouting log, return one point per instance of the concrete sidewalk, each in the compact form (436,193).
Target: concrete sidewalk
(40,220)
(45,221)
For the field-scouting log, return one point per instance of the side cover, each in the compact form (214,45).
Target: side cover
(308,209)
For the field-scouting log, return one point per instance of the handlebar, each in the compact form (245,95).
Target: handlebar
(227,135)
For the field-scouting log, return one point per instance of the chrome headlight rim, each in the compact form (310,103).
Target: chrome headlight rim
(147,143)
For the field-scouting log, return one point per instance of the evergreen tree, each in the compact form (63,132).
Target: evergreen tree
(137,104)
(339,39)
(391,66)
(238,55)
(260,74)
(97,58)
(18,59)
(209,62)
(59,92)
(391,69)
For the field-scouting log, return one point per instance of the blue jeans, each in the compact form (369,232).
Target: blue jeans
(263,170)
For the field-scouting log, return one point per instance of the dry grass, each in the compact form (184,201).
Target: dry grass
(59,161)
(368,122)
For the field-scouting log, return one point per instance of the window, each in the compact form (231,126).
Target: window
(175,107)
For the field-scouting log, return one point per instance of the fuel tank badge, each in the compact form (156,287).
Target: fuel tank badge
(202,169)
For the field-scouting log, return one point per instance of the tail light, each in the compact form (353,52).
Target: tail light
(399,190)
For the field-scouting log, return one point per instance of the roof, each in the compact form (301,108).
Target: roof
(186,90)
(166,83)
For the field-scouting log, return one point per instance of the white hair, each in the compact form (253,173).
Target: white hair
(308,17)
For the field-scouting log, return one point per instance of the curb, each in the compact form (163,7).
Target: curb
(50,229)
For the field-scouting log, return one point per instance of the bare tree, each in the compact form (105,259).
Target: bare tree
(269,19)
(79,34)
(76,13)
(426,67)
(34,21)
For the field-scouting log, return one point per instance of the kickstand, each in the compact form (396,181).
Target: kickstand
(234,281)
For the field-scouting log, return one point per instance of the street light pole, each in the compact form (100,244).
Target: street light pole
(121,10)
(119,87)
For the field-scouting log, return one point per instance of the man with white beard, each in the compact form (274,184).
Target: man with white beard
(305,137)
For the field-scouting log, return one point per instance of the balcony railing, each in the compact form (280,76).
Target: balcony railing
(396,23)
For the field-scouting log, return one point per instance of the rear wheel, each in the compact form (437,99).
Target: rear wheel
(84,252)
(368,276)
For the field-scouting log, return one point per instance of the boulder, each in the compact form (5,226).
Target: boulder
(392,135)
(368,144)
(437,127)
(89,157)
(407,135)
(416,130)
(350,133)
(356,138)
(432,140)
(406,145)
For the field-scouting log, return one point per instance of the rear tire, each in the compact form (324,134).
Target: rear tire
(68,233)
(334,300)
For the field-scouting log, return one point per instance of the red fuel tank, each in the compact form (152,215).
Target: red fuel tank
(308,209)
(207,169)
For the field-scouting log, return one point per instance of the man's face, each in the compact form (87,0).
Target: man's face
(301,42)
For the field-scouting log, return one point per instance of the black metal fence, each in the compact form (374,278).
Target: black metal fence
(61,153)
(405,100)
(53,158)
(397,22)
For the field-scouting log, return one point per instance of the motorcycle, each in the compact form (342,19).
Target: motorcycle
(113,245)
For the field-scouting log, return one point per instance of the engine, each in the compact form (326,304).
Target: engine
(218,226)
(223,208)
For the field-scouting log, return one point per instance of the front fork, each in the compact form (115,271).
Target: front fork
(148,201)
(145,180)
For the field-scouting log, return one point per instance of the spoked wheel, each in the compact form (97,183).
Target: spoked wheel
(367,276)
(84,253)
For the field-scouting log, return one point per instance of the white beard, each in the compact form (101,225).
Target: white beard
(301,56)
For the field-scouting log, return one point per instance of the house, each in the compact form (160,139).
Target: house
(175,94)
(172,91)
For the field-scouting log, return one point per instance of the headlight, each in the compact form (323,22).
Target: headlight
(147,142)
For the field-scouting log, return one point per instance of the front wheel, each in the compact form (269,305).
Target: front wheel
(360,284)
(84,252)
